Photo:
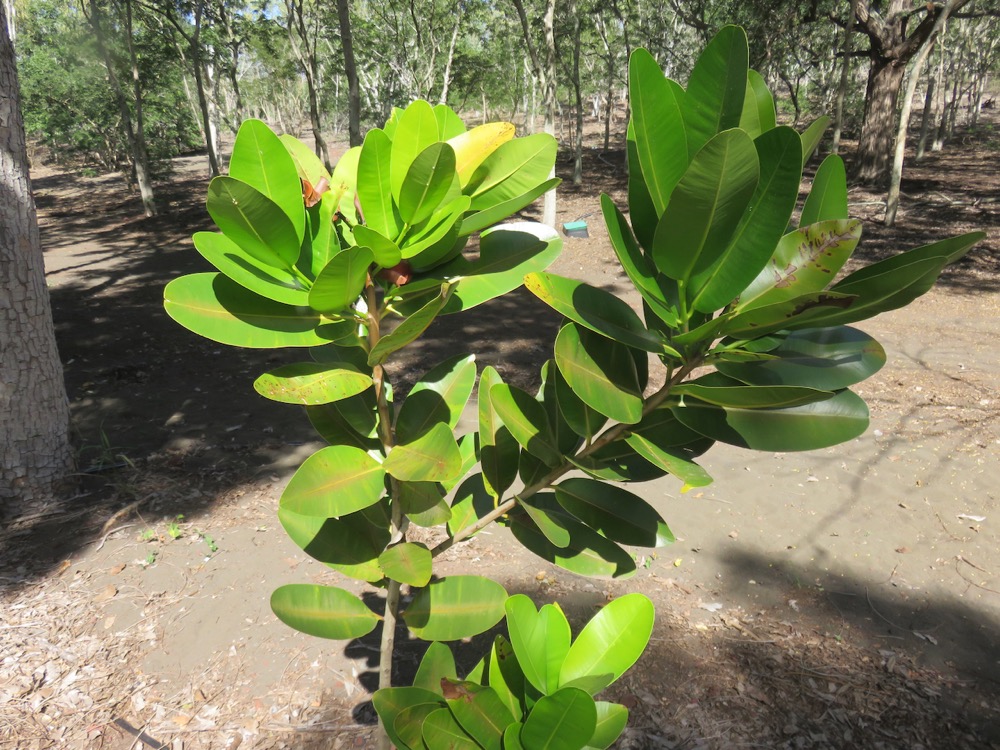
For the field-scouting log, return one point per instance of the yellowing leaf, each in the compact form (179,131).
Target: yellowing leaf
(472,147)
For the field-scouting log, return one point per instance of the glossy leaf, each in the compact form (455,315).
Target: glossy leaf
(423,503)
(516,167)
(609,644)
(254,222)
(322,240)
(416,130)
(484,716)
(593,308)
(760,228)
(812,135)
(436,244)
(450,124)
(473,147)
(438,663)
(471,503)
(334,428)
(351,540)
(673,460)
(311,383)
(614,512)
(308,165)
(804,261)
(588,553)
(439,396)
(716,88)
(455,607)
(706,206)
(480,220)
(263,162)
(374,184)
(540,639)
(432,457)
(828,197)
(426,182)
(217,308)
(758,106)
(390,702)
(798,428)
(611,721)
(549,524)
(580,418)
(408,563)
(323,611)
(601,372)
(334,481)
(498,449)
(411,327)
(804,311)
(384,251)
(506,676)
(825,358)
(564,720)
(409,726)
(344,182)
(716,388)
(658,126)
(512,737)
(266,280)
(526,420)
(441,731)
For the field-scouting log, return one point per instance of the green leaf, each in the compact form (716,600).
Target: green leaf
(658,126)
(527,422)
(673,460)
(580,418)
(716,388)
(642,210)
(261,160)
(761,227)
(706,206)
(334,428)
(383,250)
(498,450)
(483,717)
(423,503)
(311,383)
(798,428)
(611,721)
(512,737)
(515,168)
(438,663)
(613,512)
(432,457)
(309,166)
(540,639)
(828,197)
(374,183)
(322,241)
(439,396)
(389,703)
(217,308)
(474,146)
(426,182)
(342,281)
(455,607)
(758,107)
(804,311)
(323,611)
(351,540)
(408,563)
(254,222)
(506,676)
(334,481)
(471,503)
(416,130)
(450,124)
(550,525)
(506,254)
(564,720)
(716,88)
(439,242)
(344,184)
(261,278)
(593,308)
(409,726)
(411,327)
(588,553)
(812,135)
(442,732)
(824,358)
(609,644)
(804,261)
(480,220)
(601,372)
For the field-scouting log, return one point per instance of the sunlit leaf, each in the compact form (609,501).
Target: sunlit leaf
(254,222)
(432,457)
(564,720)
(455,607)
(828,197)
(540,639)
(311,383)
(614,512)
(374,185)
(334,481)
(601,372)
(426,182)
(323,611)
(408,563)
(716,88)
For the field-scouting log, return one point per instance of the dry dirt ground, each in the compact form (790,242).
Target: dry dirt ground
(847,598)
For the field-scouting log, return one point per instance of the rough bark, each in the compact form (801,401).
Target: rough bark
(845,72)
(351,71)
(35,455)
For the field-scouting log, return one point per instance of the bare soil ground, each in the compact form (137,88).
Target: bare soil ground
(847,598)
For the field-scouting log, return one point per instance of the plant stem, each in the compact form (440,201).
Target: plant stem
(608,436)
(399,521)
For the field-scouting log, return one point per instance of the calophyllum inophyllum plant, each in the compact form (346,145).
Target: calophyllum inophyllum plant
(740,305)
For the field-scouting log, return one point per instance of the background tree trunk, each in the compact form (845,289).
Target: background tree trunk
(35,454)
(879,120)
(351,71)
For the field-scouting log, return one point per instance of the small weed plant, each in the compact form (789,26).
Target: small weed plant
(741,306)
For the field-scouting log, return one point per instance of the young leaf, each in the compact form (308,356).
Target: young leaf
(374,185)
(334,481)
(540,639)
(341,282)
(828,197)
(611,721)
(717,88)
(564,720)
(384,251)
(426,183)
(455,607)
(261,160)
(323,611)
(308,165)
(658,127)
(609,644)
(416,130)
(410,328)
(311,383)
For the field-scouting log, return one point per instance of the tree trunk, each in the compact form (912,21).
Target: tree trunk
(578,134)
(845,71)
(548,24)
(35,455)
(446,76)
(142,174)
(879,121)
(925,118)
(351,71)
